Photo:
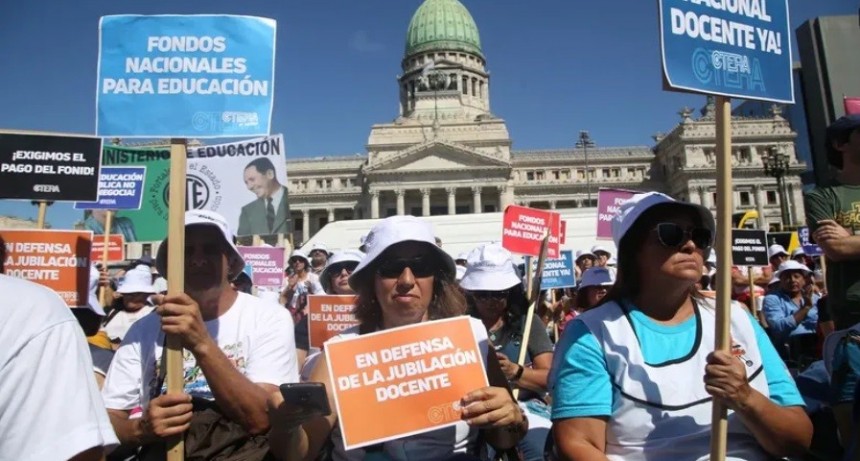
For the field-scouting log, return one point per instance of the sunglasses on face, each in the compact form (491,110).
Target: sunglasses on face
(422,266)
(337,268)
(207,249)
(488,294)
(674,235)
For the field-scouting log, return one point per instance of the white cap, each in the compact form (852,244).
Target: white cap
(597,248)
(791,265)
(93,303)
(337,258)
(582,253)
(597,277)
(776,249)
(319,247)
(462,256)
(398,229)
(461,271)
(490,268)
(137,280)
(297,253)
(630,210)
(798,252)
(205,218)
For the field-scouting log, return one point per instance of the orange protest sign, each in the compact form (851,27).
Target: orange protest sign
(328,315)
(415,376)
(57,259)
(116,248)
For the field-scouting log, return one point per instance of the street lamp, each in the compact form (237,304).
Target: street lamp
(776,165)
(584,142)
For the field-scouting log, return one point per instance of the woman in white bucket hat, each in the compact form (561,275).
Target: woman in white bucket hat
(403,279)
(628,373)
(495,295)
(136,289)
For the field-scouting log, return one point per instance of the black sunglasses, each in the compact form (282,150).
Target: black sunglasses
(488,294)
(337,268)
(422,266)
(674,236)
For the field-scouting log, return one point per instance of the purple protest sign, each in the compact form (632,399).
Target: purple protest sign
(608,201)
(267,263)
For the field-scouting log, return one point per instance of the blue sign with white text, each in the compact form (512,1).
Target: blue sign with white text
(811,249)
(557,273)
(120,188)
(197,76)
(731,48)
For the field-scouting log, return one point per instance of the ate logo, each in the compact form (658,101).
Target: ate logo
(196,193)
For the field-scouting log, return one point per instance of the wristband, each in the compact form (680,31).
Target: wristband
(519,373)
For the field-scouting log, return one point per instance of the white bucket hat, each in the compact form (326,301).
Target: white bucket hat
(300,254)
(319,247)
(597,248)
(631,209)
(93,303)
(137,280)
(791,265)
(490,268)
(798,252)
(398,229)
(461,271)
(776,250)
(337,258)
(597,277)
(205,218)
(584,253)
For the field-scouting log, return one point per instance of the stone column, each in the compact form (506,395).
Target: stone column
(503,197)
(306,225)
(552,204)
(452,200)
(792,204)
(797,209)
(760,200)
(425,202)
(331,215)
(401,207)
(374,204)
(476,199)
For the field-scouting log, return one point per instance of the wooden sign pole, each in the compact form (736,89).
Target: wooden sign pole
(108,224)
(719,421)
(40,218)
(176,278)
(534,286)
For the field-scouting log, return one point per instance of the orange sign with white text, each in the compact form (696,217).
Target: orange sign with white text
(414,376)
(328,316)
(57,259)
(116,248)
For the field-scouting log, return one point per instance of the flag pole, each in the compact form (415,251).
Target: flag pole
(40,218)
(176,278)
(534,295)
(108,224)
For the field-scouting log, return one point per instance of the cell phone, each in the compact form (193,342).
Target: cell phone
(310,397)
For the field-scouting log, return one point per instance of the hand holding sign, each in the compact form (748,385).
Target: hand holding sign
(180,316)
(491,407)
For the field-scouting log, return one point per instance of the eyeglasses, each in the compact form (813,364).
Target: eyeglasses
(337,268)
(422,266)
(488,294)
(674,236)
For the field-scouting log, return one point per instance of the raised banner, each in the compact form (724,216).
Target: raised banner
(749,247)
(58,168)
(328,316)
(235,179)
(192,76)
(739,49)
(608,203)
(413,376)
(120,188)
(523,228)
(57,259)
(810,248)
(557,273)
(267,263)
(116,249)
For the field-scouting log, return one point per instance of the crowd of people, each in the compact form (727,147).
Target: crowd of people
(620,366)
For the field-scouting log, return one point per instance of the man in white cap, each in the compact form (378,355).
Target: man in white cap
(584,261)
(136,289)
(50,407)
(238,348)
(777,255)
(319,257)
(601,254)
(790,309)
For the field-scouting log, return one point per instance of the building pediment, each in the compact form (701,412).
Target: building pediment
(435,156)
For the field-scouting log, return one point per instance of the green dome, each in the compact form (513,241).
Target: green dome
(443,25)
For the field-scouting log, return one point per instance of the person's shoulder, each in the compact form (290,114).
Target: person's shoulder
(264,309)
(31,304)
(600,312)
(823,192)
(147,326)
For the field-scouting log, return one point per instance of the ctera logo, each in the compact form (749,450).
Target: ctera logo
(196,193)
(46,188)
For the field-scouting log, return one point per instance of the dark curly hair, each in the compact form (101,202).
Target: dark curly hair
(448,301)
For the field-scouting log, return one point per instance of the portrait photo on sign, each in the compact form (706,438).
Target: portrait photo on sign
(268,212)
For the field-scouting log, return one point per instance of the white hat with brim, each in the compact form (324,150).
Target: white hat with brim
(137,280)
(584,254)
(600,249)
(630,210)
(319,247)
(93,303)
(490,268)
(301,255)
(596,277)
(199,218)
(776,250)
(339,257)
(461,271)
(791,265)
(391,231)
(798,252)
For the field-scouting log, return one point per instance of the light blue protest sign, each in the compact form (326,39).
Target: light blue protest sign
(811,249)
(557,273)
(734,48)
(197,76)
(120,188)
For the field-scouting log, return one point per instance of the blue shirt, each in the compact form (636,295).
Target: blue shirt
(581,384)
(779,309)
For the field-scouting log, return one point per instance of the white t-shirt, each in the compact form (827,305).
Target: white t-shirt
(119,324)
(255,335)
(302,289)
(50,407)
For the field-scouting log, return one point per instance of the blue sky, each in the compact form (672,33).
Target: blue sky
(557,67)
